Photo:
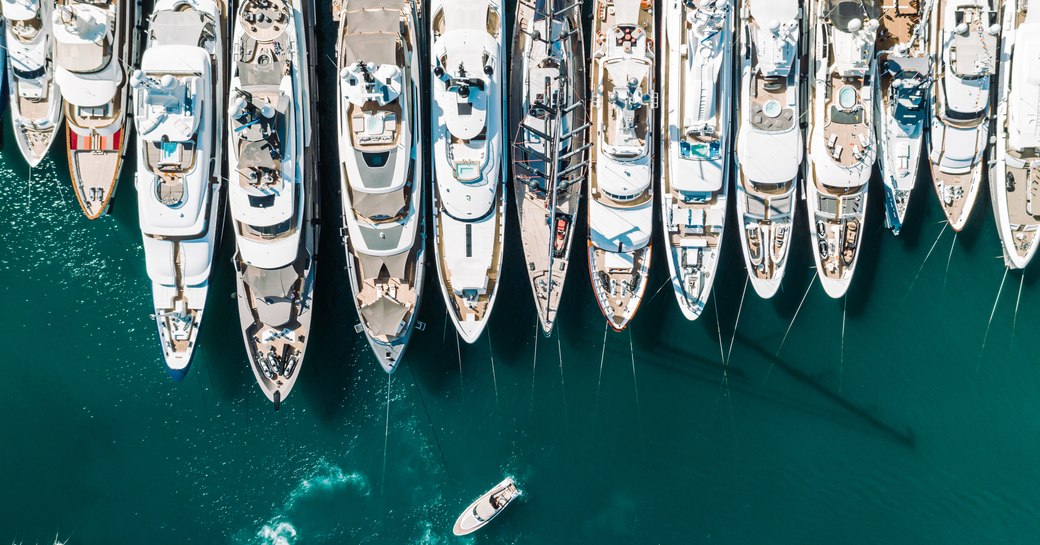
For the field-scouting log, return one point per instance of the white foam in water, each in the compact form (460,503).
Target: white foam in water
(325,478)
(283,533)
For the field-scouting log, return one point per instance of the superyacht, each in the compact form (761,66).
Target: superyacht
(1015,170)
(842,142)
(93,44)
(964,53)
(697,90)
(550,147)
(901,88)
(272,191)
(467,135)
(36,106)
(621,189)
(769,147)
(178,99)
(380,129)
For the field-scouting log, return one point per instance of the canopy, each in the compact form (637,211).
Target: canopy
(384,316)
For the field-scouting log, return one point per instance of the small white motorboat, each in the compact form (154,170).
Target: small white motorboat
(487,507)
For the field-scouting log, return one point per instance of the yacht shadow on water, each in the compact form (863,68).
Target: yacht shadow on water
(708,370)
(862,416)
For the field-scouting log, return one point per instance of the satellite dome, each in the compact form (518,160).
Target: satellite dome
(855,25)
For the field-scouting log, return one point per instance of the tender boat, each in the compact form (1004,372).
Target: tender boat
(964,53)
(272,192)
(380,128)
(550,147)
(697,92)
(621,192)
(1015,171)
(901,88)
(36,106)
(93,44)
(487,507)
(842,145)
(467,134)
(178,97)
(769,137)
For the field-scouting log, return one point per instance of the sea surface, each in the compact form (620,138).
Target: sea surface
(906,413)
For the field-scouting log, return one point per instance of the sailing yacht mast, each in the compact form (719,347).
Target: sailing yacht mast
(550,144)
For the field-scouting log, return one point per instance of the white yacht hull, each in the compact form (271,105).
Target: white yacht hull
(469,210)
(96,127)
(179,188)
(901,97)
(695,130)
(492,230)
(900,155)
(387,304)
(37,111)
(842,136)
(275,268)
(957,146)
(823,248)
(769,148)
(623,88)
(1015,168)
(486,508)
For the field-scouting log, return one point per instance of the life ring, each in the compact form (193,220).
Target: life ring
(600,38)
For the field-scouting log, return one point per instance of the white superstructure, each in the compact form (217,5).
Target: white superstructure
(769,142)
(621,191)
(964,48)
(697,97)
(36,105)
(178,97)
(272,193)
(1015,169)
(380,129)
(93,44)
(842,145)
(467,122)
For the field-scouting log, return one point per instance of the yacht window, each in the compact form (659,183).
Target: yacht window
(270,231)
(621,198)
(961,116)
(30,74)
(376,160)
(261,201)
(469,240)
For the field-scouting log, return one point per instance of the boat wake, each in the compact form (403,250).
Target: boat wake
(325,479)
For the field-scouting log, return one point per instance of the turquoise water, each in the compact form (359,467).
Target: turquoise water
(918,427)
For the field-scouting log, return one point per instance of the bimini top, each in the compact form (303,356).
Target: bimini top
(1024,102)
(776,36)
